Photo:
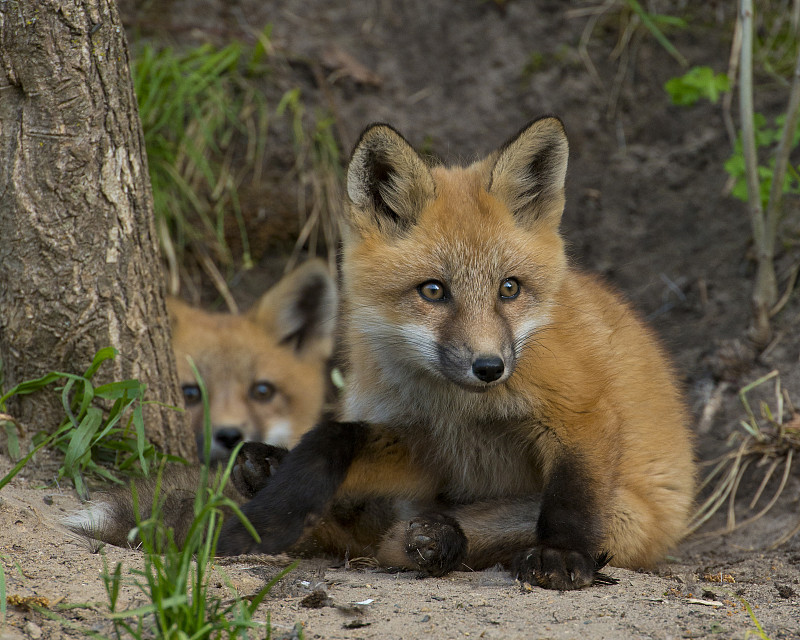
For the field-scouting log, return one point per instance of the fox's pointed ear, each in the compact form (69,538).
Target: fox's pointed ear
(301,310)
(388,182)
(529,172)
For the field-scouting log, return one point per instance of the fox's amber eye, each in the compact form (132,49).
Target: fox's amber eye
(191,394)
(509,288)
(262,391)
(432,290)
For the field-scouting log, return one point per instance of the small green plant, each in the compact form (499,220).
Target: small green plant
(90,438)
(175,580)
(696,84)
(766,138)
(764,220)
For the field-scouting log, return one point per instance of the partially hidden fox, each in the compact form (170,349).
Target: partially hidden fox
(266,370)
(501,406)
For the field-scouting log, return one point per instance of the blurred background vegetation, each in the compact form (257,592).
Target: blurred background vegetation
(246,144)
(207,126)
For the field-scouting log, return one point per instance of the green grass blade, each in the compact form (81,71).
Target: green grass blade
(107,353)
(2,595)
(30,386)
(81,439)
(121,389)
(166,603)
(647,21)
(259,597)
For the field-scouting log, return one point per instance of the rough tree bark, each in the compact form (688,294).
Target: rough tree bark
(79,265)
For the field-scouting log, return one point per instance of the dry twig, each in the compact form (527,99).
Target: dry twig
(772,442)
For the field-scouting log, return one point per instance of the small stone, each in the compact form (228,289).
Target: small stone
(785,591)
(33,630)
(316,600)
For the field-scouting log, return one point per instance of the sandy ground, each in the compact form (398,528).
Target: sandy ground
(692,596)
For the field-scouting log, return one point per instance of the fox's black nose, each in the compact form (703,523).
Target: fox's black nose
(228,437)
(488,368)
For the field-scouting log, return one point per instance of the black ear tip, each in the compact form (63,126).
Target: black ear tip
(546,127)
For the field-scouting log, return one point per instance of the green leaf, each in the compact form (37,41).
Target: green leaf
(695,84)
(12,438)
(123,388)
(30,386)
(107,353)
(82,437)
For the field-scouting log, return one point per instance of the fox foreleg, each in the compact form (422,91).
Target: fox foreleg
(298,493)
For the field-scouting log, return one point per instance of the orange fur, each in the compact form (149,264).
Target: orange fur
(584,378)
(265,370)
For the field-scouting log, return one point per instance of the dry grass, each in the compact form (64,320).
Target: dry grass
(768,446)
(319,173)
(631,22)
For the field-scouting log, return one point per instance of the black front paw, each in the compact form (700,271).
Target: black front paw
(255,463)
(435,543)
(561,569)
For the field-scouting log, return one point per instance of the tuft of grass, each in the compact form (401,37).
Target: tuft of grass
(320,174)
(92,439)
(205,125)
(654,22)
(776,44)
(175,581)
(770,444)
(633,22)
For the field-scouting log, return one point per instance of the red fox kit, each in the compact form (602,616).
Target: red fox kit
(513,409)
(264,370)
(501,406)
(265,374)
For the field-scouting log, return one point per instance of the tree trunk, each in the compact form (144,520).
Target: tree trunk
(79,264)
